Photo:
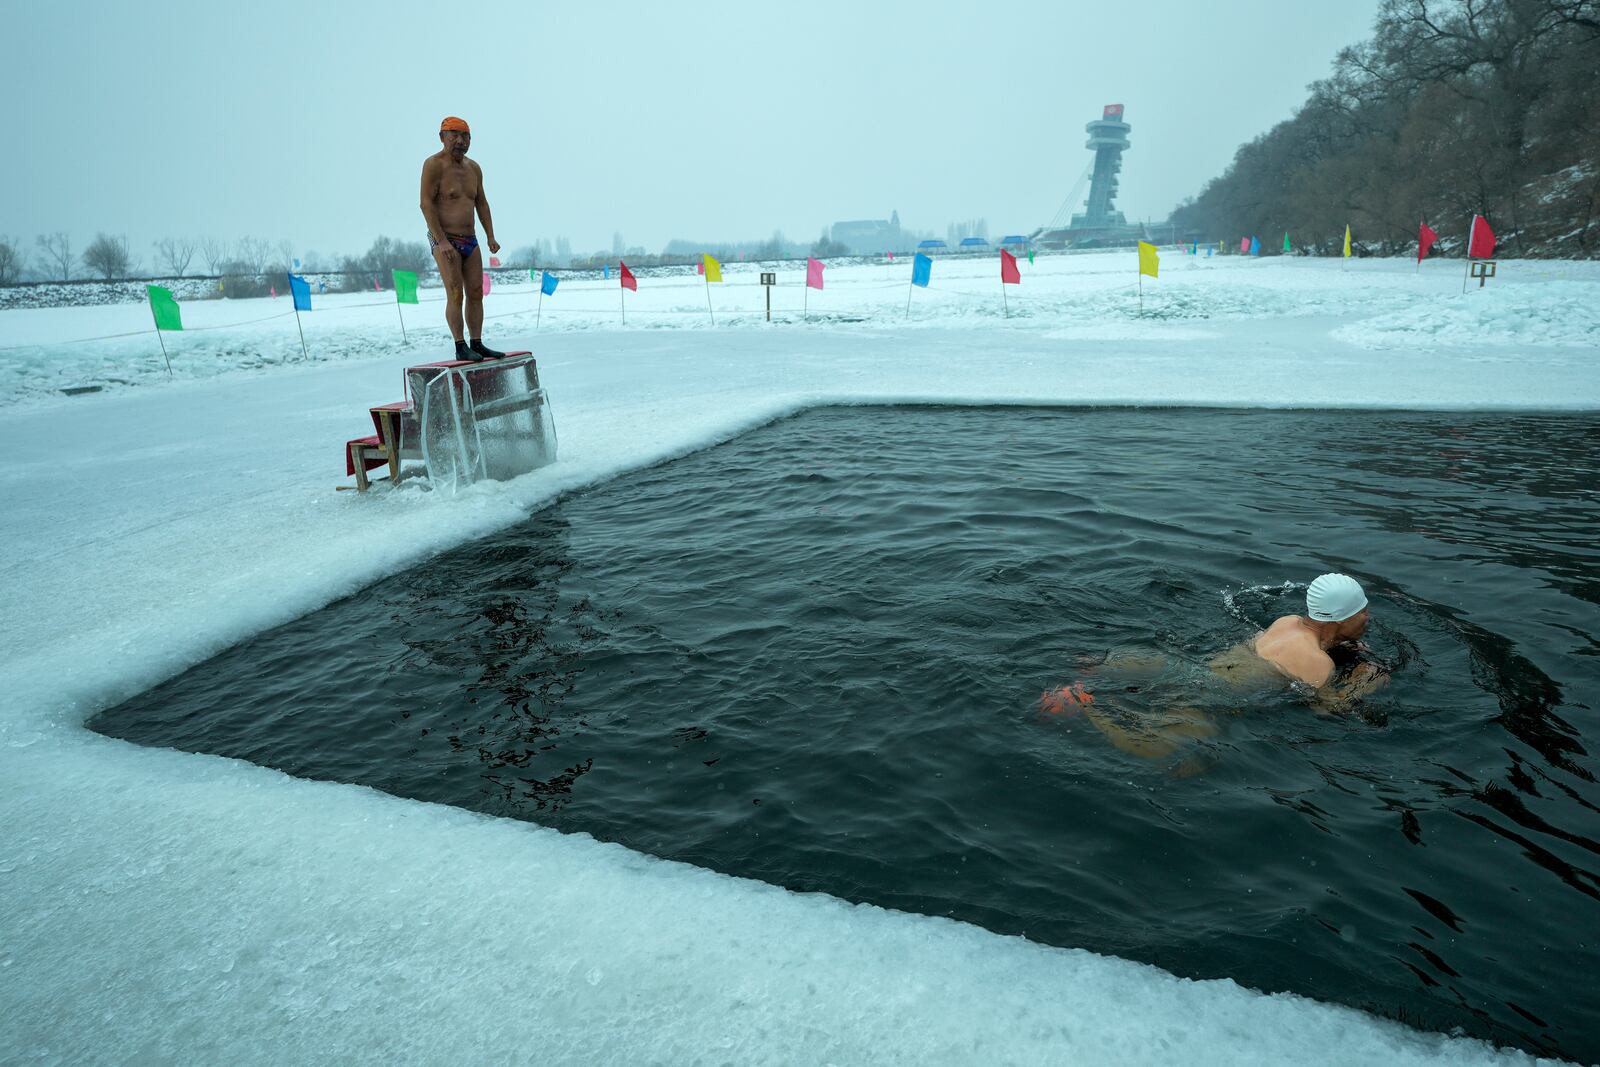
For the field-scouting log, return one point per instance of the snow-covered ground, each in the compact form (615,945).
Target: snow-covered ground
(158,906)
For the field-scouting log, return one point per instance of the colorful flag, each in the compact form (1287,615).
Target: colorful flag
(1347,240)
(1030,257)
(1149,259)
(713,269)
(1425,239)
(548,283)
(274,289)
(300,289)
(1244,245)
(164,308)
(891,257)
(625,276)
(608,272)
(405,286)
(485,283)
(813,273)
(494,261)
(921,270)
(1009,274)
(1480,244)
(297,264)
(1286,246)
(1255,246)
(700,268)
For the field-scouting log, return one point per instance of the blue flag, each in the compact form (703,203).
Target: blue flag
(548,283)
(301,290)
(1255,246)
(608,270)
(921,270)
(297,264)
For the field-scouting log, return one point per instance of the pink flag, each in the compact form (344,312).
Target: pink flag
(1481,244)
(891,257)
(1244,245)
(1009,274)
(1425,239)
(813,273)
(485,284)
(376,288)
(700,267)
(274,292)
(494,261)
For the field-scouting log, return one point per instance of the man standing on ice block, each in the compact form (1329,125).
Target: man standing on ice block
(452,190)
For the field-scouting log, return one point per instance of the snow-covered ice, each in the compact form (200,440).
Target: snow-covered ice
(160,906)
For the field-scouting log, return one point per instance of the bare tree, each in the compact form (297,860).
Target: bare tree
(108,256)
(214,252)
(285,250)
(253,252)
(11,260)
(56,248)
(175,253)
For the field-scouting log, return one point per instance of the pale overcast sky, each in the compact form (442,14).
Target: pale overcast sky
(703,120)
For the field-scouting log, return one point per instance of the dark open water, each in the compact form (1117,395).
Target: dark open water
(814,655)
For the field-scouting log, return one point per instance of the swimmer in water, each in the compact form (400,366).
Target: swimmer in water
(1296,647)
(1294,650)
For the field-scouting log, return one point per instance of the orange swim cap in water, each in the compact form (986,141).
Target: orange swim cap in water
(453,123)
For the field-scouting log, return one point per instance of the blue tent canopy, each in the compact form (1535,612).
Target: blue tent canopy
(932,244)
(1013,239)
(972,242)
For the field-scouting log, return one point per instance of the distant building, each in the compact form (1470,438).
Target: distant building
(866,237)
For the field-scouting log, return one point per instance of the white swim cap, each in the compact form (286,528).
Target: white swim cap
(1334,598)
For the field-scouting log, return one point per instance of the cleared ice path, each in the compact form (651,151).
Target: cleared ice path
(157,906)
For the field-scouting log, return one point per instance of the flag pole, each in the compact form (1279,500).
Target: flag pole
(400,312)
(161,339)
(538,315)
(303,353)
(1141,292)
(708,299)
(805,301)
(1004,299)
(908,292)
(1467,271)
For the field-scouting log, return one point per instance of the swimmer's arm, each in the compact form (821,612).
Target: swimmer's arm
(431,168)
(483,212)
(1366,679)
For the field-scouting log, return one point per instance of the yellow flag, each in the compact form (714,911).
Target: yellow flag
(1149,260)
(1347,241)
(713,269)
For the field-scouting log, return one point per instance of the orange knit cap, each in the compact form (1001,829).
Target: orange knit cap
(453,123)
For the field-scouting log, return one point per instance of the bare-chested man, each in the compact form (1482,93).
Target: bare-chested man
(1294,649)
(452,190)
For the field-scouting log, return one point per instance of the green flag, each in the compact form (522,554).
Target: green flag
(1030,256)
(1286,247)
(405,286)
(164,308)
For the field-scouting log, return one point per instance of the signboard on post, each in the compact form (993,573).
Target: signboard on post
(1483,270)
(769,279)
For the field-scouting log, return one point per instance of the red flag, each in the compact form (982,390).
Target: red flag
(1481,244)
(626,276)
(1425,239)
(1009,274)
(700,267)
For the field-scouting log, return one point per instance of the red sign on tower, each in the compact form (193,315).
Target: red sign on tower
(1113,111)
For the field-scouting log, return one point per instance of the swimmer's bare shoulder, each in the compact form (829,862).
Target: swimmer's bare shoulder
(1284,648)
